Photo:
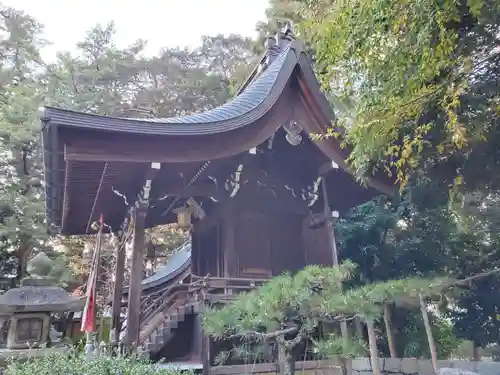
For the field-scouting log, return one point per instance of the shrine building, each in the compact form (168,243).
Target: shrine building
(256,193)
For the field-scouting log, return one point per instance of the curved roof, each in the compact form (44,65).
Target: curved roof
(263,90)
(74,142)
(178,263)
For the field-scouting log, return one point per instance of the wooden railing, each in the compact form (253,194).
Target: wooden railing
(154,301)
(223,289)
(160,311)
(157,321)
(151,302)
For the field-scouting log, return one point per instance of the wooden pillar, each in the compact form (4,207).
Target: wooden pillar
(118,287)
(140,211)
(136,275)
(335,256)
(197,345)
(205,355)
(228,247)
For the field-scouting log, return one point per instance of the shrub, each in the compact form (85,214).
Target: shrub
(70,364)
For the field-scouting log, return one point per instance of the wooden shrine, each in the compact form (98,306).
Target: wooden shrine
(256,192)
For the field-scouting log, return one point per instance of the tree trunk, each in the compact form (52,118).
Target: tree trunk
(358,323)
(372,340)
(428,331)
(388,330)
(22,260)
(476,353)
(285,360)
(20,269)
(360,333)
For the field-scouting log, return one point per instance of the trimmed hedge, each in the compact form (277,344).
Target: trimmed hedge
(70,364)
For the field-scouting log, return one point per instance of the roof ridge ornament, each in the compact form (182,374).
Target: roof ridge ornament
(286,33)
(272,50)
(287,29)
(272,46)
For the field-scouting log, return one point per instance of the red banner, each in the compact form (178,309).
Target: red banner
(89,312)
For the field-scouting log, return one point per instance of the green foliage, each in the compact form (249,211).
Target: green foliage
(387,240)
(446,340)
(103,79)
(290,309)
(278,13)
(334,346)
(69,364)
(412,71)
(167,239)
(475,315)
(413,340)
(424,235)
(22,227)
(282,313)
(286,301)
(99,78)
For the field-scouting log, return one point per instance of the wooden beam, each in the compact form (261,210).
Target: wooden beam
(162,149)
(247,160)
(202,190)
(140,211)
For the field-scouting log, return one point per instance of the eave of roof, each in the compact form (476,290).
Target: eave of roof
(179,262)
(254,99)
(251,104)
(260,93)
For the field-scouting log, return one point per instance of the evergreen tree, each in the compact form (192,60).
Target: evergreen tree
(289,310)
(22,227)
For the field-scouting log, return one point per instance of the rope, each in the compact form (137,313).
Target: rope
(191,182)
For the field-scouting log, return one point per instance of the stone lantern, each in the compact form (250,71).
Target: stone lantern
(26,311)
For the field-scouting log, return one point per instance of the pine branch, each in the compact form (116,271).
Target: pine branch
(477,276)
(265,336)
(290,344)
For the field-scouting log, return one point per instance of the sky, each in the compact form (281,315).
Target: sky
(163,23)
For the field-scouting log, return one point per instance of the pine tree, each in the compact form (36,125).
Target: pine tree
(288,310)
(22,227)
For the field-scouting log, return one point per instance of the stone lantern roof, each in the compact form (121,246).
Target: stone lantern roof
(38,292)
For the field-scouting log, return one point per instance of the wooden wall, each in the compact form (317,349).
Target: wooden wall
(316,244)
(261,232)
(268,244)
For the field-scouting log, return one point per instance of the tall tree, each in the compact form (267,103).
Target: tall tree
(99,78)
(230,58)
(104,79)
(422,79)
(22,227)
(475,314)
